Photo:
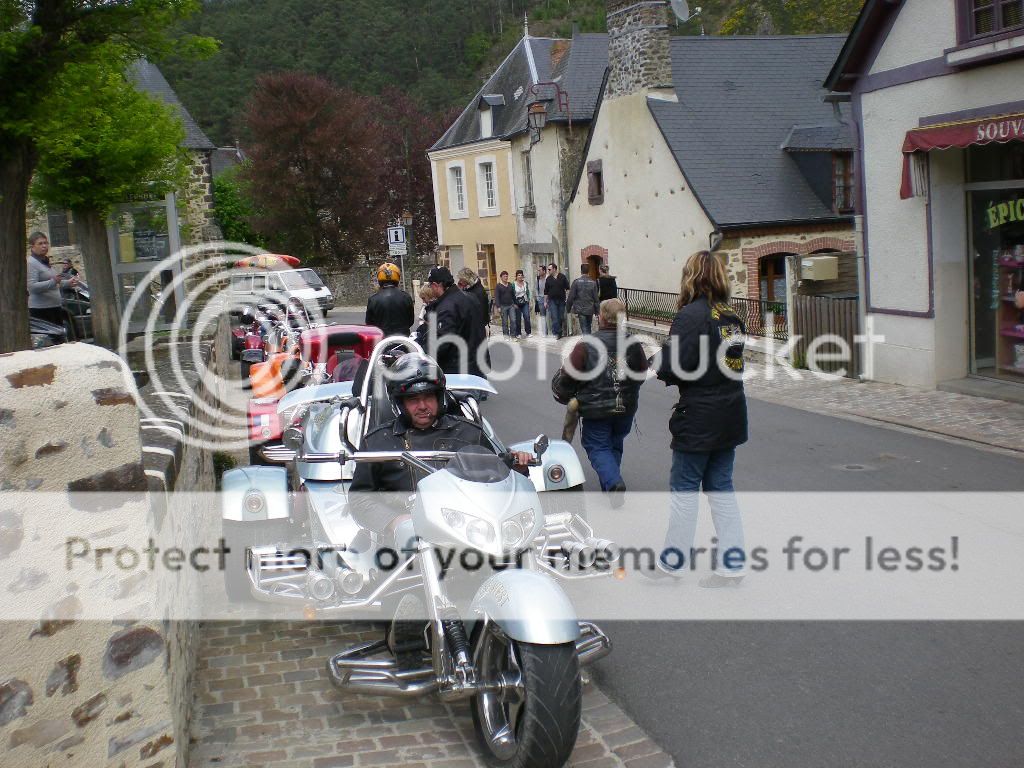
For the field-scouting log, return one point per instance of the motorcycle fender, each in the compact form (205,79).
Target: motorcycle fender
(529,607)
(271,482)
(559,453)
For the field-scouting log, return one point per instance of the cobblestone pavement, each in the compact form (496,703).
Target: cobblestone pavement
(979,420)
(264,698)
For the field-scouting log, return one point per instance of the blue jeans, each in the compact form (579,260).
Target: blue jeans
(603,439)
(506,319)
(690,473)
(586,324)
(556,316)
(522,316)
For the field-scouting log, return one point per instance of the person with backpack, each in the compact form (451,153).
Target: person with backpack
(606,401)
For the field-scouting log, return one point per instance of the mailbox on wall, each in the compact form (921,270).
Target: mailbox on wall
(819,268)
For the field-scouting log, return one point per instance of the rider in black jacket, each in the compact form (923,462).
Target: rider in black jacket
(391,308)
(416,387)
(455,313)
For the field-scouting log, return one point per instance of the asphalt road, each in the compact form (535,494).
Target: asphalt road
(788,694)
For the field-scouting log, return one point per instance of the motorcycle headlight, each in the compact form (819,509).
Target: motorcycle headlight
(479,532)
(515,532)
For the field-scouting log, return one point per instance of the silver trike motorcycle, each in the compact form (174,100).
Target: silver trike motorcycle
(505,636)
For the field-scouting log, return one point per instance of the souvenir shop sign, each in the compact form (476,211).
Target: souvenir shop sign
(990,130)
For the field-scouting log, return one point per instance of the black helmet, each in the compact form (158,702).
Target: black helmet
(412,374)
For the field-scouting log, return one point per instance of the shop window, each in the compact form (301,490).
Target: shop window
(771,272)
(61,227)
(995,162)
(595,182)
(842,182)
(982,18)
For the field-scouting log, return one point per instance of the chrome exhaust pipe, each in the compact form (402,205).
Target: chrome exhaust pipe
(592,644)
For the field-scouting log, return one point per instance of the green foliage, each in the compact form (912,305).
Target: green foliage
(100,141)
(437,52)
(234,209)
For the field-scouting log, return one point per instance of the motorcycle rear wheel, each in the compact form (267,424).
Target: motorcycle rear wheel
(537,726)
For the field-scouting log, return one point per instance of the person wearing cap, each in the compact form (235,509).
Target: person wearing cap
(391,309)
(455,314)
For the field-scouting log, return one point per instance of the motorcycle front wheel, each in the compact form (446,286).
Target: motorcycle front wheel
(533,723)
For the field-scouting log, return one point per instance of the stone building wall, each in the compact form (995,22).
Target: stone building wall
(743,252)
(638,47)
(91,671)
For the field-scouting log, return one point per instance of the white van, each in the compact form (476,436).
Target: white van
(281,287)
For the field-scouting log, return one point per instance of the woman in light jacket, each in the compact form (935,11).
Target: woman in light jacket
(703,356)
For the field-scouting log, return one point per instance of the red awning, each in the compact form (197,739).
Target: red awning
(988,130)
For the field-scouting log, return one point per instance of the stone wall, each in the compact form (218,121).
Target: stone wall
(352,287)
(638,47)
(743,253)
(99,677)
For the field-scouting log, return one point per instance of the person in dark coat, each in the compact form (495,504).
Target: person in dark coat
(454,314)
(556,287)
(470,283)
(607,402)
(583,300)
(708,422)
(391,309)
(606,286)
(505,298)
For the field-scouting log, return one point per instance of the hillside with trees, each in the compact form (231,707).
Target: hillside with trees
(336,102)
(435,51)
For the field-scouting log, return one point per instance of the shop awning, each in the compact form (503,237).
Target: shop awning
(988,130)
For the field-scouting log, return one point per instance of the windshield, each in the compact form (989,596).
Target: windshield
(478,465)
(301,278)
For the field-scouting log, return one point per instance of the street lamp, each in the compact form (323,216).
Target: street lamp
(537,113)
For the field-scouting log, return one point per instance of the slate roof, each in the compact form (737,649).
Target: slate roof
(148,79)
(831,137)
(739,100)
(554,60)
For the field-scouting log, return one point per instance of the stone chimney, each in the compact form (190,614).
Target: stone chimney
(638,47)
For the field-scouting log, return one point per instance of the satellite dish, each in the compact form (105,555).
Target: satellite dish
(681,9)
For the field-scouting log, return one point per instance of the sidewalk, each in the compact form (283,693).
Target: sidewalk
(982,421)
(263,698)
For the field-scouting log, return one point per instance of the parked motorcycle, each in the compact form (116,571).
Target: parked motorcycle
(508,641)
(45,334)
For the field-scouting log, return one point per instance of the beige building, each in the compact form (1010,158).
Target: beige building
(500,188)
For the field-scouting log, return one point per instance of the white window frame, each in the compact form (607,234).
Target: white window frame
(486,123)
(487,207)
(455,211)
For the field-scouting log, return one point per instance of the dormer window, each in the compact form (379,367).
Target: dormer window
(488,105)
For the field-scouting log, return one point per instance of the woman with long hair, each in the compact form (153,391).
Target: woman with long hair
(704,358)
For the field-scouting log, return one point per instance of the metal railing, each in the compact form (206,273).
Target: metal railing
(762,318)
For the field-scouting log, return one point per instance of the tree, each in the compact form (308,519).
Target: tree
(38,40)
(405,134)
(313,166)
(233,207)
(104,142)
